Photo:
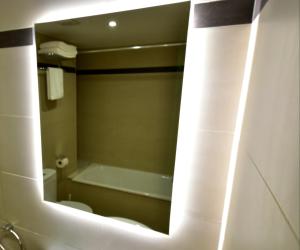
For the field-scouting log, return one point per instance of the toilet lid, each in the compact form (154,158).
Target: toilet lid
(133,222)
(78,205)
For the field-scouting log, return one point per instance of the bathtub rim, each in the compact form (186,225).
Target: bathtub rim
(77,172)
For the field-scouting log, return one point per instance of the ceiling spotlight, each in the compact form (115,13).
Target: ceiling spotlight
(112,24)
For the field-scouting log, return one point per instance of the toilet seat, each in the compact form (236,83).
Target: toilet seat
(77,205)
(132,222)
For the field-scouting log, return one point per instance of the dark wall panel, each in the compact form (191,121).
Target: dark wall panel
(16,38)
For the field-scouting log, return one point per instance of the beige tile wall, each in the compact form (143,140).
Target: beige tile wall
(192,229)
(139,58)
(265,203)
(31,240)
(255,221)
(129,120)
(59,128)
(1,201)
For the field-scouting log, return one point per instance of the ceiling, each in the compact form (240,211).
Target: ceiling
(155,25)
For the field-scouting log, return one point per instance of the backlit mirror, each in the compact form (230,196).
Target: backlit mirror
(110,89)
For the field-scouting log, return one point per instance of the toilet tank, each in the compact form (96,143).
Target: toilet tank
(50,184)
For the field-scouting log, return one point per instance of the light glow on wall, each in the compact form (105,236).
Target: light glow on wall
(35,104)
(238,129)
(116,224)
(192,93)
(188,125)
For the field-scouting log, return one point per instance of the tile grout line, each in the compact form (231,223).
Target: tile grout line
(275,199)
(16,116)
(20,176)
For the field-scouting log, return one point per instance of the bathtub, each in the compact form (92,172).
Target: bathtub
(126,180)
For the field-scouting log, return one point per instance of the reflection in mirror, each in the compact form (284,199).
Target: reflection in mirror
(110,90)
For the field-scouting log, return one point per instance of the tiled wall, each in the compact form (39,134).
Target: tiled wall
(115,110)
(265,208)
(58,129)
(215,60)
(114,113)
(154,57)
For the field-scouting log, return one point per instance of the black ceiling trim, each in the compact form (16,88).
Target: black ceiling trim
(16,38)
(227,12)
(65,68)
(165,69)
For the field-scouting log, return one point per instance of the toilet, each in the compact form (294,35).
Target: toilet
(50,194)
(50,191)
(132,222)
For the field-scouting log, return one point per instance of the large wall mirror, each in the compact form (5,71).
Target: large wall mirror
(110,89)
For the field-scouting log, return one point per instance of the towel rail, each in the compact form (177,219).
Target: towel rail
(10,229)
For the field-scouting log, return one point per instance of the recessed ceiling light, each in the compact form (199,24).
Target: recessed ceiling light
(136,47)
(112,24)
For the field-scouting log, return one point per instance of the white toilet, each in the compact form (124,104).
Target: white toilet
(132,222)
(50,191)
(50,194)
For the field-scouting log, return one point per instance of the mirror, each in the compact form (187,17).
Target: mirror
(110,90)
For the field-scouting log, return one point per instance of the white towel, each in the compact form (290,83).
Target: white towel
(55,83)
(58,44)
(58,52)
(58,48)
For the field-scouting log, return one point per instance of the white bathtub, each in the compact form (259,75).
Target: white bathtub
(127,180)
